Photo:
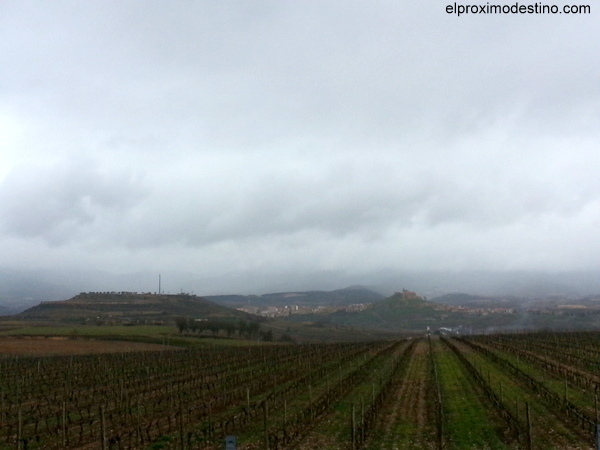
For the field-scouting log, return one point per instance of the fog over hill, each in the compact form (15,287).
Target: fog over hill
(20,289)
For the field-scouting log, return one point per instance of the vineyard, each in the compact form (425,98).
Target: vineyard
(529,391)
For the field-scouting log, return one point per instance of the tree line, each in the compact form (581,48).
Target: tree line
(241,328)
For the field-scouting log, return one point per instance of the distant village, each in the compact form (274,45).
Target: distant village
(288,310)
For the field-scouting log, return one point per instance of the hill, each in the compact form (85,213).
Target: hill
(129,307)
(340,297)
(188,318)
(405,311)
(408,312)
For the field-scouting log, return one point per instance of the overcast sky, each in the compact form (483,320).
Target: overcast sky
(241,137)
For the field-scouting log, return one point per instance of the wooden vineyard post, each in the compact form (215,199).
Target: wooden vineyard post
(19,429)
(121,393)
(64,424)
(373,393)
(181,434)
(210,433)
(266,423)
(529,437)
(352,427)
(103,428)
(362,421)
(138,422)
(310,402)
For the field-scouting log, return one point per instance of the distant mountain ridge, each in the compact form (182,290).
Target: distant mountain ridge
(338,297)
(402,312)
(23,288)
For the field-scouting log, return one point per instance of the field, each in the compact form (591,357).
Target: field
(109,338)
(48,346)
(530,391)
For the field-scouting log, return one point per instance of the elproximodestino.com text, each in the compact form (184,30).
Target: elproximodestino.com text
(516,8)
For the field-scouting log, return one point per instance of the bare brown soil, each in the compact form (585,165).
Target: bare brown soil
(42,346)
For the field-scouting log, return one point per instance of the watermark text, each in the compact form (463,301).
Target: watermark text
(516,8)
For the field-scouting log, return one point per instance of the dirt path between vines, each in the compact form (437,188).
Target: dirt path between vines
(407,420)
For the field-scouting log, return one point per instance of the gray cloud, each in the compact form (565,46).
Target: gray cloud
(316,135)
(56,202)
